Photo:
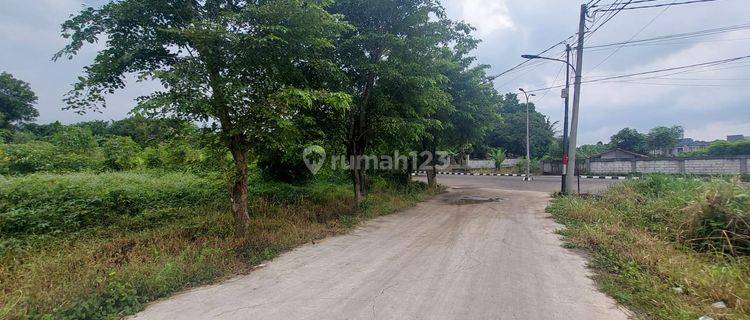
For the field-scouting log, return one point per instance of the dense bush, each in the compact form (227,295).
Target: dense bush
(75,140)
(44,203)
(520,167)
(725,148)
(121,153)
(27,157)
(111,153)
(284,165)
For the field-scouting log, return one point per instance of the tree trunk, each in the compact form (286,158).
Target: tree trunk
(431,177)
(239,184)
(357,179)
(432,171)
(358,142)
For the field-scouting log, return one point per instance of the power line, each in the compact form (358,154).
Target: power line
(527,60)
(615,12)
(606,78)
(696,70)
(557,76)
(671,43)
(631,38)
(672,84)
(633,2)
(671,69)
(658,5)
(677,36)
(525,71)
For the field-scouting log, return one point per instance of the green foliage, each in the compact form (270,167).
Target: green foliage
(16,101)
(664,138)
(650,235)
(112,270)
(533,168)
(121,153)
(498,156)
(150,132)
(510,132)
(44,203)
(284,165)
(27,157)
(630,140)
(75,140)
(725,148)
(588,150)
(248,68)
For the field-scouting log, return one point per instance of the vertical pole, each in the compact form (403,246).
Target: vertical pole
(576,99)
(528,152)
(565,122)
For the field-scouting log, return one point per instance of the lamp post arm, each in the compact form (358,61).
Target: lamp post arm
(547,58)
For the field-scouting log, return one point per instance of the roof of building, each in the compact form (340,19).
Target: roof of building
(735,137)
(690,142)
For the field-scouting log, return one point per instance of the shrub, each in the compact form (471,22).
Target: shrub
(498,156)
(75,140)
(121,153)
(26,158)
(284,165)
(521,166)
(44,203)
(719,220)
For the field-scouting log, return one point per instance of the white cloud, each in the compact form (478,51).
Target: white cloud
(486,16)
(718,130)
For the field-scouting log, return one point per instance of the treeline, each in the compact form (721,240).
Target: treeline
(659,139)
(662,141)
(722,148)
(273,77)
(131,143)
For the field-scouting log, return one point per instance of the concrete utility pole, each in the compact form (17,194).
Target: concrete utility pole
(566,96)
(528,151)
(576,102)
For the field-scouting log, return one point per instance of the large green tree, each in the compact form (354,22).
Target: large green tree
(510,132)
(473,101)
(388,59)
(664,139)
(16,101)
(629,139)
(245,67)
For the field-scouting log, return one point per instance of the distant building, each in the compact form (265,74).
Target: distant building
(735,137)
(689,145)
(683,145)
(618,153)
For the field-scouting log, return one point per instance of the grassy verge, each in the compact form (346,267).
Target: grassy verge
(114,263)
(667,248)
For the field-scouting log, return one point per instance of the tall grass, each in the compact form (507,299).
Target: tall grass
(650,236)
(55,203)
(115,266)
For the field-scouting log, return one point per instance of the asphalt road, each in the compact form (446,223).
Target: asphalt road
(453,257)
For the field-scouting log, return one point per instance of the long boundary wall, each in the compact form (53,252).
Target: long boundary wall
(687,165)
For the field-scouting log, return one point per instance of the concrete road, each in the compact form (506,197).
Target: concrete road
(476,252)
(547,184)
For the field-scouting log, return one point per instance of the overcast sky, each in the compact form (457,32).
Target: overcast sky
(709,103)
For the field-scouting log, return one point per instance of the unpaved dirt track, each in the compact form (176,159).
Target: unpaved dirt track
(439,260)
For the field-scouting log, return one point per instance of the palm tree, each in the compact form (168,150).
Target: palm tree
(497,155)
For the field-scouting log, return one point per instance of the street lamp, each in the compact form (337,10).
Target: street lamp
(528,152)
(565,95)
